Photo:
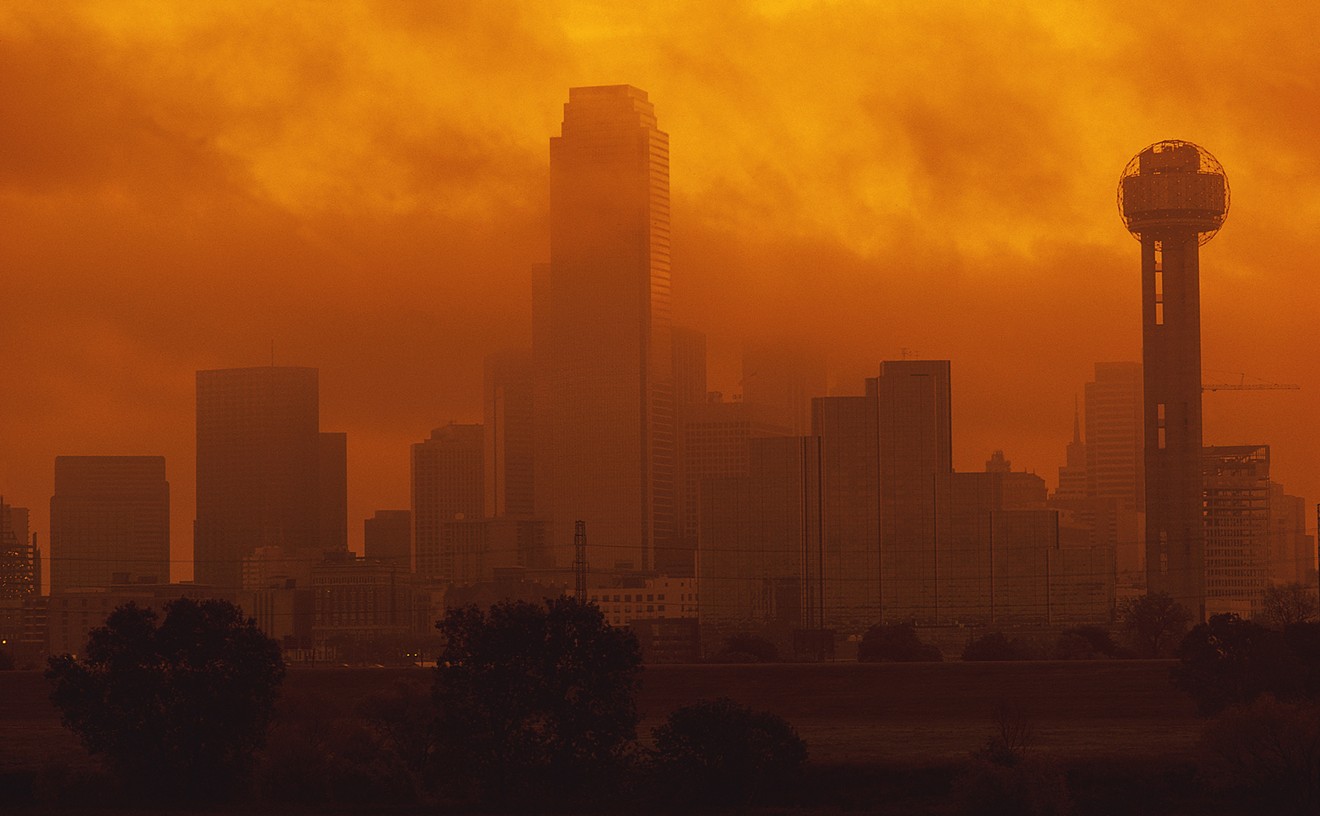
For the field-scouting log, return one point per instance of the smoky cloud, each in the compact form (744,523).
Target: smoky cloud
(365,186)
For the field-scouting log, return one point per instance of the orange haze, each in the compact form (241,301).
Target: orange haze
(365,185)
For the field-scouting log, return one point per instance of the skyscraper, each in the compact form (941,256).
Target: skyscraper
(109,521)
(259,454)
(508,413)
(447,486)
(20,564)
(602,334)
(387,536)
(916,461)
(1115,470)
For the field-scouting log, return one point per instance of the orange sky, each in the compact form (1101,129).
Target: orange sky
(365,184)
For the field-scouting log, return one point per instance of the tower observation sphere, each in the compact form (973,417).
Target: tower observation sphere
(1173,197)
(1173,186)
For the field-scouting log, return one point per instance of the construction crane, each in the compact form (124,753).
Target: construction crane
(1243,385)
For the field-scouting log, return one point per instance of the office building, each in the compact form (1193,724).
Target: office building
(1115,462)
(846,575)
(1237,488)
(332,489)
(20,562)
(259,465)
(387,537)
(448,485)
(509,435)
(715,437)
(109,522)
(757,534)
(779,380)
(1072,474)
(602,338)
(916,460)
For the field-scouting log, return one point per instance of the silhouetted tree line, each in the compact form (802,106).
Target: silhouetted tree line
(531,707)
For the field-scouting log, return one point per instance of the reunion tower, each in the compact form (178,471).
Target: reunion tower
(1173,197)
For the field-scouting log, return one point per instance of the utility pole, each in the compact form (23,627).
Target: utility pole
(580,560)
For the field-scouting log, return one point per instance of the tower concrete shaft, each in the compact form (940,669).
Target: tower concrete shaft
(1171,353)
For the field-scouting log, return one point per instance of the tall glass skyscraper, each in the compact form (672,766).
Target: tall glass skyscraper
(603,336)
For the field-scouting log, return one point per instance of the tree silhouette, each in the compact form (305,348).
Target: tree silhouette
(1229,661)
(1153,624)
(534,702)
(1288,604)
(896,643)
(176,710)
(717,752)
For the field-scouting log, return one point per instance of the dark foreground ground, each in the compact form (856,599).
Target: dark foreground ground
(883,737)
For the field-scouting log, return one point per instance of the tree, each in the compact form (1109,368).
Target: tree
(533,701)
(745,647)
(176,710)
(1153,624)
(897,643)
(1287,604)
(1084,643)
(1229,661)
(717,752)
(996,646)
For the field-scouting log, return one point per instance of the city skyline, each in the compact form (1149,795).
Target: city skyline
(115,325)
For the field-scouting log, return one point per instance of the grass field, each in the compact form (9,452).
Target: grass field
(848,713)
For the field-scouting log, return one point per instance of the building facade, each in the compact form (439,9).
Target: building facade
(109,522)
(259,465)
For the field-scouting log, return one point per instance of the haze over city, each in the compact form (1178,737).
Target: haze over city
(364,189)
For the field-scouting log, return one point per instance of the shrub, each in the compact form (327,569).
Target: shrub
(1269,751)
(745,647)
(176,710)
(1003,779)
(1084,643)
(1030,788)
(534,703)
(717,752)
(896,643)
(996,646)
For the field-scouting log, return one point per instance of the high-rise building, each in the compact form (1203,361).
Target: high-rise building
(916,460)
(1173,196)
(690,398)
(20,564)
(332,488)
(387,536)
(509,449)
(109,522)
(259,465)
(1114,464)
(1072,475)
(447,485)
(715,439)
(757,533)
(780,379)
(847,575)
(1237,487)
(602,334)
(1292,549)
